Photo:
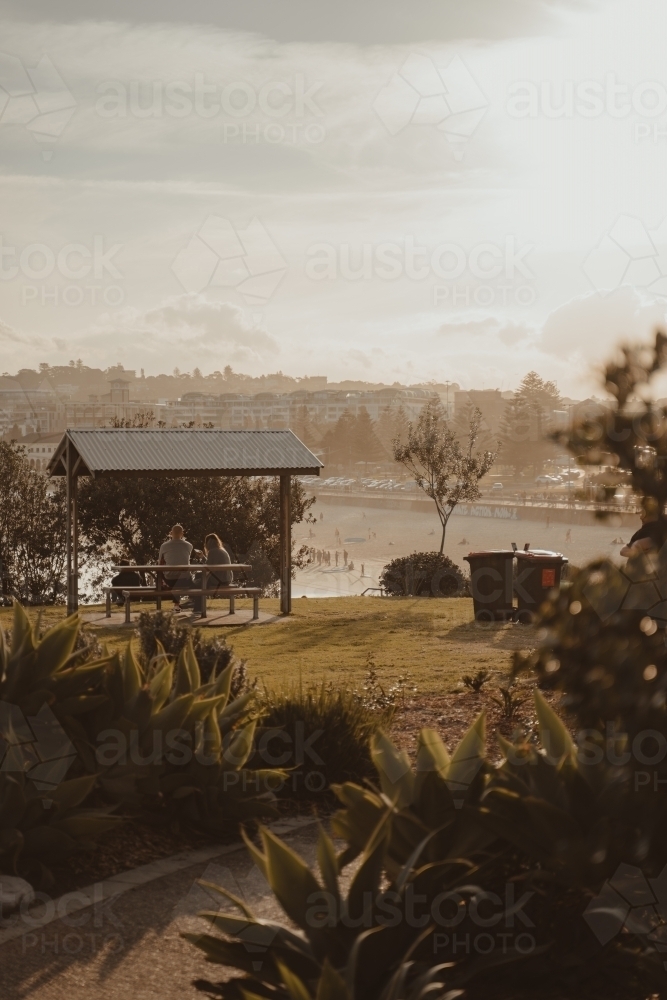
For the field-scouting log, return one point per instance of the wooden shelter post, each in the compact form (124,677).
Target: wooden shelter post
(285,546)
(72,528)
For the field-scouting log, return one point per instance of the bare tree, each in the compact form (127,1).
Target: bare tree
(447,469)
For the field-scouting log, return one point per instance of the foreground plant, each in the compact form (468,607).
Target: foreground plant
(345,947)
(39,829)
(169,747)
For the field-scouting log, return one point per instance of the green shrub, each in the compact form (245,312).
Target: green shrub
(423,574)
(162,627)
(328,956)
(153,741)
(39,829)
(321,735)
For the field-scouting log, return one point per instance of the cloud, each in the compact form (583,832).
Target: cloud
(513,334)
(186,328)
(371,23)
(589,326)
(508,333)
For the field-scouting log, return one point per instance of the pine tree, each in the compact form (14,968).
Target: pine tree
(526,424)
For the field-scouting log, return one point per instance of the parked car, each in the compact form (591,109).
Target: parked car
(497,486)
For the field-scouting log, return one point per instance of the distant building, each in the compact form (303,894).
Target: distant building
(39,448)
(272,409)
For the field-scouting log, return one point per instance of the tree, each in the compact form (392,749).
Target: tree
(32,537)
(305,428)
(446,470)
(526,424)
(391,425)
(352,439)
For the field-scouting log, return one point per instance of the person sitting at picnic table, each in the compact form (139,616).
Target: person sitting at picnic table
(216,555)
(653,532)
(176,552)
(126,578)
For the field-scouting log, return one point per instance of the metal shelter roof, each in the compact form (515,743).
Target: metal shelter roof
(130,451)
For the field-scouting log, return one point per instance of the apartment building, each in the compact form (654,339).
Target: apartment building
(270,409)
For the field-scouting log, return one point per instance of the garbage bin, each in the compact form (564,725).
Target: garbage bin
(537,572)
(491,582)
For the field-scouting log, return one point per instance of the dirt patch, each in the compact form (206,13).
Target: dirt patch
(452,714)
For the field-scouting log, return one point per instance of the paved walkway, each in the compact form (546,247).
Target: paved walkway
(129,947)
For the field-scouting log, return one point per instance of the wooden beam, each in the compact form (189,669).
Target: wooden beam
(72,529)
(285,546)
(68,526)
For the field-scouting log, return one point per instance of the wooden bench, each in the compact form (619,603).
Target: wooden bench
(159,591)
(223,591)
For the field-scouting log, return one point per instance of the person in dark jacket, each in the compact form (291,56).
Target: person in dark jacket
(126,578)
(653,532)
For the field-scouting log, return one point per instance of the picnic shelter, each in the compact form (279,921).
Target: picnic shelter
(152,452)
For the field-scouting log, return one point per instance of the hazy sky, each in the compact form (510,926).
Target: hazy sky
(379,190)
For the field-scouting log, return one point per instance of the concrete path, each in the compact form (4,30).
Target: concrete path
(128,946)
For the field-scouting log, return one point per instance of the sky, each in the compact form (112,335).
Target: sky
(379,191)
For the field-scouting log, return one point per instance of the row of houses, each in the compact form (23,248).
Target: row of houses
(43,412)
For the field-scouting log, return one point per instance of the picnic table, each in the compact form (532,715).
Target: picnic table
(159,590)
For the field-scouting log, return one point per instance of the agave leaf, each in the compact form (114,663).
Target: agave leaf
(290,878)
(236,900)
(293,984)
(85,825)
(231,953)
(201,707)
(133,678)
(236,707)
(326,859)
(508,748)
(160,686)
(188,677)
(223,683)
(554,737)
(432,758)
(393,767)
(23,636)
(256,933)
(171,717)
(212,736)
(56,646)
(256,855)
(191,665)
(331,985)
(239,748)
(366,881)
(432,753)
(468,757)
(72,793)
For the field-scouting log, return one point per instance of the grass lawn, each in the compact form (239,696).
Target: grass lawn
(330,639)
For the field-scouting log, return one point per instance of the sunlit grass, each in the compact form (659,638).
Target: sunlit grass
(325,639)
